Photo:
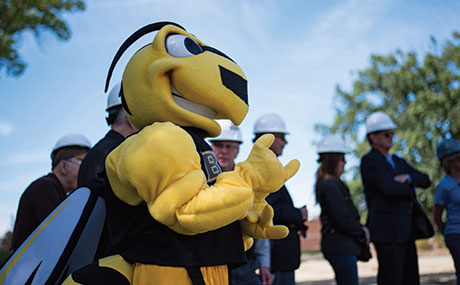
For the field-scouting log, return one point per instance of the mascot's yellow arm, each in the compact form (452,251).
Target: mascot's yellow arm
(161,167)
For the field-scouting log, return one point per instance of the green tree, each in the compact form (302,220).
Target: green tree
(420,94)
(17,16)
(5,244)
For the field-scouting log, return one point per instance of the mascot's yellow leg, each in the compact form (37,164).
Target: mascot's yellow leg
(117,263)
(145,273)
(110,270)
(215,274)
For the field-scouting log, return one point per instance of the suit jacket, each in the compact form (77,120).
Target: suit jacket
(341,231)
(285,253)
(94,162)
(390,204)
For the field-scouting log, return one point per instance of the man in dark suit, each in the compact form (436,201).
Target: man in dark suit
(92,168)
(120,128)
(395,218)
(285,253)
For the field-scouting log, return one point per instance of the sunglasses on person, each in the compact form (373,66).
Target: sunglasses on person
(388,134)
(225,146)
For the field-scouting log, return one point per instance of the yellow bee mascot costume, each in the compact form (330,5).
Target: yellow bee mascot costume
(173,216)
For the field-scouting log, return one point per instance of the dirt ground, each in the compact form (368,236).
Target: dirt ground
(436,267)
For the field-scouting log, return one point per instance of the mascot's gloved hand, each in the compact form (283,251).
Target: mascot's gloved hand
(264,227)
(264,173)
(161,167)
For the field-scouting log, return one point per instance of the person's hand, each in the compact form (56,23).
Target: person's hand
(304,213)
(303,229)
(367,234)
(265,275)
(401,178)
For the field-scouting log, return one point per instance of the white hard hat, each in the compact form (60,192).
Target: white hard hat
(114,98)
(378,121)
(71,140)
(331,144)
(270,123)
(230,132)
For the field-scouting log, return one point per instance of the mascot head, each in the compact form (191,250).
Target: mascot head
(179,79)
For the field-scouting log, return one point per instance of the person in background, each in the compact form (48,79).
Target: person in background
(447,196)
(285,253)
(44,194)
(342,235)
(395,218)
(226,147)
(120,127)
(92,168)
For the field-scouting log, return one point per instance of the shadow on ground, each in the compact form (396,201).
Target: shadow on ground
(425,279)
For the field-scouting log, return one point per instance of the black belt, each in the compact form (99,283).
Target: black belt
(195,274)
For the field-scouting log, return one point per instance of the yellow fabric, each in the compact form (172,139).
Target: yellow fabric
(69,281)
(265,173)
(115,262)
(247,242)
(264,228)
(154,274)
(160,166)
(215,274)
(262,169)
(151,72)
(119,264)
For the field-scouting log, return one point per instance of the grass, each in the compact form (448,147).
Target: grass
(311,251)
(431,243)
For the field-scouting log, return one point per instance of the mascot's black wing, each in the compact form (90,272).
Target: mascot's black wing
(65,241)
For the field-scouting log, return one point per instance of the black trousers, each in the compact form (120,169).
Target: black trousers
(398,263)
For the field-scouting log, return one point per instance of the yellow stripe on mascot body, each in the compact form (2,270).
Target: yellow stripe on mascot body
(187,217)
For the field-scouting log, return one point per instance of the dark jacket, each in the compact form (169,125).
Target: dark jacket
(285,253)
(91,175)
(94,162)
(341,231)
(36,203)
(390,204)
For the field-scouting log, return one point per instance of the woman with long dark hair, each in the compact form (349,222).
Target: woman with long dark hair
(343,237)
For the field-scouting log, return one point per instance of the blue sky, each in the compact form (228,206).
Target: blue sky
(293,52)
